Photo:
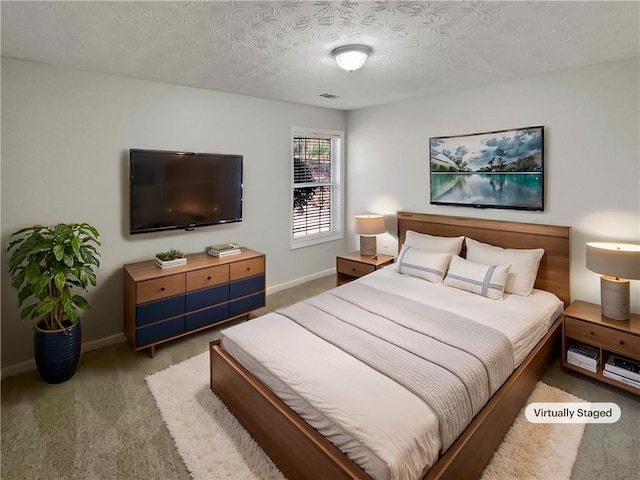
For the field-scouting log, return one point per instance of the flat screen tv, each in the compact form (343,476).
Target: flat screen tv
(500,169)
(180,190)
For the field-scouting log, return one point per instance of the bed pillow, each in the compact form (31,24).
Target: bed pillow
(432,243)
(524,264)
(431,266)
(485,280)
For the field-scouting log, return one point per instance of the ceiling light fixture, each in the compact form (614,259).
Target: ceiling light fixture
(351,57)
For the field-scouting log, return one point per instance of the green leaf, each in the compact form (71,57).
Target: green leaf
(18,278)
(30,310)
(72,315)
(32,272)
(60,280)
(81,302)
(46,306)
(23,295)
(58,252)
(68,260)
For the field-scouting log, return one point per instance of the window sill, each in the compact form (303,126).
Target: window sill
(315,240)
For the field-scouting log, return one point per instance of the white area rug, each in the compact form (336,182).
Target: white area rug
(214,446)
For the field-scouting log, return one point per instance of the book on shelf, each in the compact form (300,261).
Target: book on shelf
(591,365)
(224,249)
(585,350)
(624,366)
(621,378)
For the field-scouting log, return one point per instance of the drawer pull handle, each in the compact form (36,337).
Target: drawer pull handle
(592,333)
(353,269)
(209,277)
(621,342)
(162,289)
(248,269)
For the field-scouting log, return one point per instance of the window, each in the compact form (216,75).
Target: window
(316,187)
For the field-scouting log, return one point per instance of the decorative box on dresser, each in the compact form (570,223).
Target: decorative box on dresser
(163,304)
(353,265)
(583,322)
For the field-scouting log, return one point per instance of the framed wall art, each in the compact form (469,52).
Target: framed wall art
(500,169)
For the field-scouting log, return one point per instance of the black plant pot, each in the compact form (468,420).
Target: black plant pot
(57,352)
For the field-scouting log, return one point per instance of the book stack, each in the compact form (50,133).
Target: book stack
(584,356)
(224,249)
(623,369)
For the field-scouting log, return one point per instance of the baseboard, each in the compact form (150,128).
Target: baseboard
(86,347)
(103,342)
(299,281)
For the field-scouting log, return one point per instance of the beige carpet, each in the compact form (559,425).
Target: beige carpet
(214,446)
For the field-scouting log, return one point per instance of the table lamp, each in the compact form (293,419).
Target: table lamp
(368,226)
(617,262)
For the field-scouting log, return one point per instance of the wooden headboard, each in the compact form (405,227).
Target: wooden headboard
(554,271)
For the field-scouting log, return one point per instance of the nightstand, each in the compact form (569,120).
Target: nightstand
(353,265)
(583,322)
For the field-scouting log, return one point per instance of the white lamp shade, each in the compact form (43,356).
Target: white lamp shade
(620,260)
(351,57)
(370,224)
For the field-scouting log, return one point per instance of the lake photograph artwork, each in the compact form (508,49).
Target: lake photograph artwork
(500,169)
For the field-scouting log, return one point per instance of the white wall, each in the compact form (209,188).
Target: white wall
(66,134)
(592,155)
(65,141)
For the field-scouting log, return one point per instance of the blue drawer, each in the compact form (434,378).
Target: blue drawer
(206,297)
(154,311)
(246,304)
(246,286)
(159,331)
(206,317)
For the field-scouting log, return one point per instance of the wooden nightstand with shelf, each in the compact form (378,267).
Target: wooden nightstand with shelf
(353,265)
(583,322)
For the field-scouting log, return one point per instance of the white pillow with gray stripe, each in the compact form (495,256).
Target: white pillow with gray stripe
(431,266)
(485,280)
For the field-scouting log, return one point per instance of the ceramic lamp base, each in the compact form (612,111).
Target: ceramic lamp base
(615,298)
(368,247)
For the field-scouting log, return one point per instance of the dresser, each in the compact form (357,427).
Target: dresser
(164,304)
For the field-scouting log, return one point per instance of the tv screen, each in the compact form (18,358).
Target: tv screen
(500,169)
(178,190)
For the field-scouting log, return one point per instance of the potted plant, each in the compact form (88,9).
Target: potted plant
(46,264)
(170,258)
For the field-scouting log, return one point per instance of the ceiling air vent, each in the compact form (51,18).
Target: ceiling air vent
(330,96)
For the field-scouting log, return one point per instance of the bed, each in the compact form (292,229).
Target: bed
(300,451)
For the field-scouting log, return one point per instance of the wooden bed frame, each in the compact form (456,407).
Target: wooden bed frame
(300,452)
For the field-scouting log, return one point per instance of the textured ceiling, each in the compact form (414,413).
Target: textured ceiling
(281,50)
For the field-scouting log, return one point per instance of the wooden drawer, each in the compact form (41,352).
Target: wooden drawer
(151,312)
(246,286)
(355,269)
(206,297)
(603,337)
(158,288)
(246,268)
(246,304)
(207,277)
(209,316)
(159,332)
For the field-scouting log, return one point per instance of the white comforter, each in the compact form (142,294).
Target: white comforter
(379,424)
